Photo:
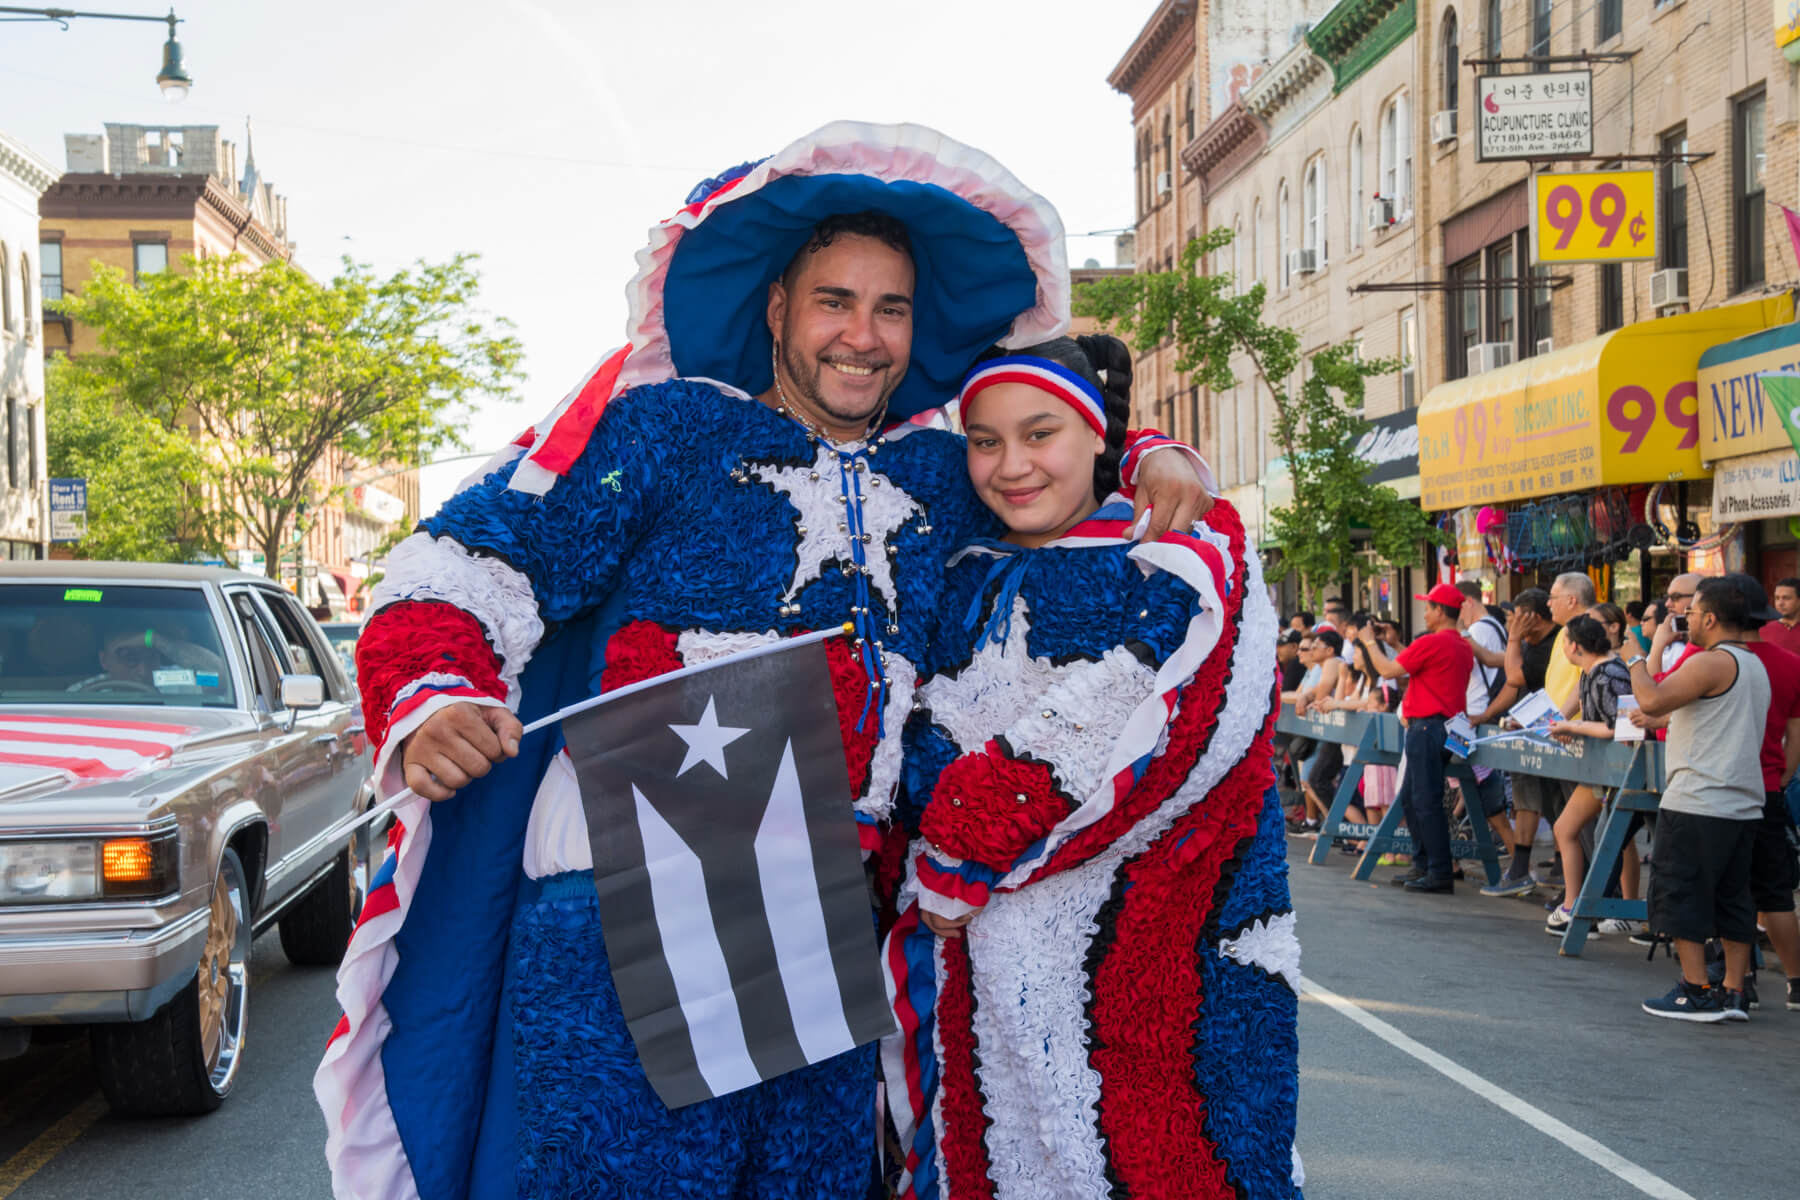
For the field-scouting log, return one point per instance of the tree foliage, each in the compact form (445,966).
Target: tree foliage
(1317,425)
(265,372)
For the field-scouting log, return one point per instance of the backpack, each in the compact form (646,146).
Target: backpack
(1494,677)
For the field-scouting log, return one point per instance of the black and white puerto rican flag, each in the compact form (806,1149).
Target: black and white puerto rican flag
(726,858)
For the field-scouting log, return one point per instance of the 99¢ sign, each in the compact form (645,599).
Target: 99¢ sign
(1594,216)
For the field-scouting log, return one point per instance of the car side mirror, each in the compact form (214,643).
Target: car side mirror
(302,692)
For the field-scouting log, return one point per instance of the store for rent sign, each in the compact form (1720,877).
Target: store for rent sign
(1593,216)
(1547,115)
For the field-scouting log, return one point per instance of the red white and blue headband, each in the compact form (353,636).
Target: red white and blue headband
(1042,374)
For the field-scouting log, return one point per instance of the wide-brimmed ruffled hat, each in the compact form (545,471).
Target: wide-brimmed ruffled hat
(992,269)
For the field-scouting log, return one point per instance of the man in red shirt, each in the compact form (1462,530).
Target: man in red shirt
(1784,629)
(1774,872)
(1437,667)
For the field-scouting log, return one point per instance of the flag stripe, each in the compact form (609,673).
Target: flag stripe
(102,723)
(61,737)
(696,960)
(84,768)
(790,890)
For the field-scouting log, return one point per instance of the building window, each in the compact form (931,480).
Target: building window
(1673,183)
(1395,174)
(1237,265)
(1168,152)
(1409,358)
(1284,234)
(25,286)
(1191,116)
(1749,158)
(1612,18)
(1357,212)
(1503,322)
(1313,197)
(18,438)
(1494,24)
(50,270)
(1256,243)
(1540,308)
(31,446)
(6,303)
(149,258)
(1464,311)
(1452,65)
(1540,33)
(1612,296)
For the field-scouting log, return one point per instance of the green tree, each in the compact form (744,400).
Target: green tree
(267,371)
(1316,425)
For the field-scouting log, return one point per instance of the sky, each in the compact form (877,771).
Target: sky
(549,136)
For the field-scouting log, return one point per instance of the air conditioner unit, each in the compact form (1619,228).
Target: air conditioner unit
(1443,127)
(1545,345)
(1668,287)
(1381,213)
(1489,355)
(1164,184)
(1302,262)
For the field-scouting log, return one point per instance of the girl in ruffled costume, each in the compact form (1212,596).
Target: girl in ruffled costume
(1094,967)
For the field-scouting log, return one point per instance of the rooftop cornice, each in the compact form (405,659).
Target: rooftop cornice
(1158,34)
(1283,81)
(1355,34)
(18,161)
(1226,132)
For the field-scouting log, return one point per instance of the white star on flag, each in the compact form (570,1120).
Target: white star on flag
(706,741)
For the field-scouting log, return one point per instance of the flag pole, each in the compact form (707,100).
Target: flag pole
(400,797)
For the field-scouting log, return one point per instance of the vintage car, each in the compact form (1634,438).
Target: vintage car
(182,765)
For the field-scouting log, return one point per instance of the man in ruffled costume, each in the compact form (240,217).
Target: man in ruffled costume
(719,483)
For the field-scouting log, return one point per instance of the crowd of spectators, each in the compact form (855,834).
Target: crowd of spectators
(1710,668)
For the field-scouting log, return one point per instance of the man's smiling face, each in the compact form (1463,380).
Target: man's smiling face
(842,321)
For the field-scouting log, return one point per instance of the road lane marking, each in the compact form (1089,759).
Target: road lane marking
(1644,1181)
(48,1144)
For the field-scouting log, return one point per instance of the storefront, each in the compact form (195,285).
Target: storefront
(1617,412)
(1756,474)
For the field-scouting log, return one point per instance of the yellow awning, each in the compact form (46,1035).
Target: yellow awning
(1619,408)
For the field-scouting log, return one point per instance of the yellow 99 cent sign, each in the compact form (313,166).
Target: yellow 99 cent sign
(1594,216)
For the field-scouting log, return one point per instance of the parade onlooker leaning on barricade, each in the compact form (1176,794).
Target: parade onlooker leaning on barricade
(1486,637)
(1530,642)
(1712,802)
(1337,617)
(1327,763)
(1603,680)
(1783,629)
(1302,622)
(1614,620)
(1774,869)
(1570,595)
(1437,668)
(1362,689)
(1287,659)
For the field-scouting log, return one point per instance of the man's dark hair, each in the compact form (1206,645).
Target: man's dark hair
(1634,610)
(889,231)
(1450,611)
(1332,638)
(1469,588)
(1725,601)
(1535,601)
(1338,601)
(1292,637)
(1359,618)
(1789,582)
(1307,619)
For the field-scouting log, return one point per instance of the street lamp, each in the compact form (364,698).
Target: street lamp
(173,79)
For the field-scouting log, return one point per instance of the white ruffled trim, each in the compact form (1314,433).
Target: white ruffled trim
(877,799)
(362,1142)
(501,598)
(556,835)
(887,152)
(1269,944)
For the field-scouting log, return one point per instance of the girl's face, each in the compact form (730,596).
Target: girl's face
(1031,459)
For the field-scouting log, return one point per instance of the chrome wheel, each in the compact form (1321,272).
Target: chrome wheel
(223,984)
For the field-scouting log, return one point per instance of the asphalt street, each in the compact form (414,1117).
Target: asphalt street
(1547,1078)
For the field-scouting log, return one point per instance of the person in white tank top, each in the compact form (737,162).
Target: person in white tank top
(1717,703)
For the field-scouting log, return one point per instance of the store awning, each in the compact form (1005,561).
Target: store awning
(1617,409)
(1734,418)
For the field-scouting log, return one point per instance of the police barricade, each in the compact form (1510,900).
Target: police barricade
(1375,738)
(1632,772)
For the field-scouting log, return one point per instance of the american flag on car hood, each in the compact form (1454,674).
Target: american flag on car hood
(83,749)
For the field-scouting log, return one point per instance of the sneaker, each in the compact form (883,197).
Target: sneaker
(1643,937)
(1751,1000)
(1793,995)
(1686,1002)
(1557,923)
(1735,1005)
(1619,925)
(1522,886)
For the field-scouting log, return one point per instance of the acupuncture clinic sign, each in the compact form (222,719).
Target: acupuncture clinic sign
(1546,115)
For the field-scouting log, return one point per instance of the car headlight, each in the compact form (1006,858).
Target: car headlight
(69,870)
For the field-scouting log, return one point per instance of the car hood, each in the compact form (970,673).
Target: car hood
(95,763)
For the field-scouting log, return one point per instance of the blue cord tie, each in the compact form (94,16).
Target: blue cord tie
(866,626)
(1010,571)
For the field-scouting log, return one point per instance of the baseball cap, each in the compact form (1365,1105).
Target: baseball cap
(1754,596)
(1447,594)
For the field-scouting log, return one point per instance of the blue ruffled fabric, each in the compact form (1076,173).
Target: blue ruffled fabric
(590,1127)
(1261,885)
(1246,1062)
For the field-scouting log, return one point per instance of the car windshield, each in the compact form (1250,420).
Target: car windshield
(101,643)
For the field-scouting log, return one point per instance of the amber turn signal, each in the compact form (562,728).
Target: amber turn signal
(127,860)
